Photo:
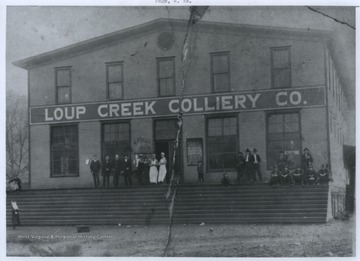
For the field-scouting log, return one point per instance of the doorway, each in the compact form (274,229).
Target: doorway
(165,135)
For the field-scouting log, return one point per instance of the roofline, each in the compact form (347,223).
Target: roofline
(169,24)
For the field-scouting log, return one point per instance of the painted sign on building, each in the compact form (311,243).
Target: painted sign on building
(197,104)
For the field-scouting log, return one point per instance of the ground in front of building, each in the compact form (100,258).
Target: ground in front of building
(335,238)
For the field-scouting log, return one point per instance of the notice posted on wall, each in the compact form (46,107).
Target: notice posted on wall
(194,151)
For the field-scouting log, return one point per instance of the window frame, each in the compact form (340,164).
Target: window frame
(158,60)
(206,150)
(282,112)
(272,50)
(77,148)
(227,53)
(107,122)
(63,68)
(107,65)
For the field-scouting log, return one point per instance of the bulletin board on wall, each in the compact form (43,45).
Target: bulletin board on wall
(194,149)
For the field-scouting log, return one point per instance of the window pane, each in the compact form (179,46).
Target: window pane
(167,87)
(221,82)
(115,73)
(215,161)
(115,91)
(166,68)
(229,161)
(63,77)
(275,128)
(281,58)
(220,63)
(275,118)
(281,78)
(63,94)
(291,127)
(64,153)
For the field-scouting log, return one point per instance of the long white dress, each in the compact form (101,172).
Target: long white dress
(162,170)
(153,173)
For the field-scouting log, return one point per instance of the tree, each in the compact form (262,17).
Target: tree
(17,147)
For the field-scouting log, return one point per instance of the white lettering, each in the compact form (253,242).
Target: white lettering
(297,99)
(125,109)
(149,107)
(137,110)
(80,110)
(253,99)
(186,108)
(58,114)
(277,98)
(225,103)
(67,116)
(47,118)
(207,108)
(114,110)
(171,108)
(196,108)
(239,101)
(100,108)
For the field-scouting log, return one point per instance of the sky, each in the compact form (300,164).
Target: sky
(34,30)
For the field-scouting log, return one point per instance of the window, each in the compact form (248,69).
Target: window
(220,72)
(64,151)
(116,139)
(283,134)
(280,67)
(222,143)
(63,85)
(115,87)
(166,76)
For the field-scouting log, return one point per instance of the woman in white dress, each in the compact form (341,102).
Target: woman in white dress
(153,173)
(162,170)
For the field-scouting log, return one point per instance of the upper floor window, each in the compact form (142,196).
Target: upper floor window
(280,67)
(63,85)
(166,76)
(220,72)
(114,78)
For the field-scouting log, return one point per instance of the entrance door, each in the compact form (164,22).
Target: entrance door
(165,135)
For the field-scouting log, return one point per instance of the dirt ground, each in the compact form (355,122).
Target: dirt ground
(335,238)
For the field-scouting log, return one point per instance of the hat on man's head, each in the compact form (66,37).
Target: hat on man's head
(247,150)
(306,149)
(254,150)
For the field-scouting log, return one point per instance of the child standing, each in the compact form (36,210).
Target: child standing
(200,170)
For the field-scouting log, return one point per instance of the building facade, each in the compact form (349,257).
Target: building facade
(273,89)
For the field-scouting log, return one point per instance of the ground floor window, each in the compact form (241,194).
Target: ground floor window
(222,143)
(116,139)
(64,151)
(283,134)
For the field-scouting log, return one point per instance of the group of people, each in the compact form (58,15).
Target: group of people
(248,166)
(304,174)
(124,167)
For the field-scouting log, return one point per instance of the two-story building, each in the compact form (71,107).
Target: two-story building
(269,88)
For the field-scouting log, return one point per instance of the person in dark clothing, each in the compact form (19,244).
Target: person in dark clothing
(116,170)
(240,167)
(306,160)
(126,169)
(140,170)
(282,161)
(106,171)
(298,176)
(15,214)
(200,171)
(311,176)
(285,177)
(323,175)
(256,165)
(95,167)
(225,182)
(274,177)
(249,159)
